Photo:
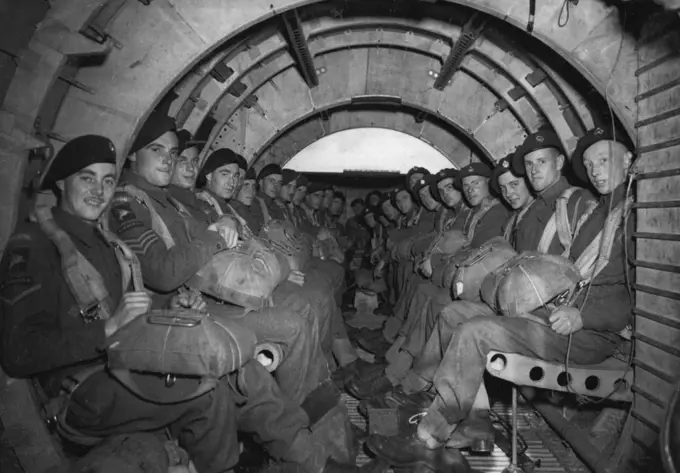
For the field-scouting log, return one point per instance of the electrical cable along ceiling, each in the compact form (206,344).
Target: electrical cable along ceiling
(454,77)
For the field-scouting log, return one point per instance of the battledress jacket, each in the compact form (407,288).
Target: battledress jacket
(43,334)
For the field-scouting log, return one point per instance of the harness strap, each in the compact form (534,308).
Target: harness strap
(84,281)
(477,217)
(265,210)
(247,232)
(596,255)
(554,223)
(157,223)
(211,201)
(515,219)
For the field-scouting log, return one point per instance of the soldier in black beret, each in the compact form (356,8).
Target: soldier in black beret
(540,158)
(448,193)
(602,142)
(473,180)
(414,175)
(506,183)
(56,329)
(422,189)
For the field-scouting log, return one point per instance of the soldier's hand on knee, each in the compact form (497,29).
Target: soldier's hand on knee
(132,305)
(566,320)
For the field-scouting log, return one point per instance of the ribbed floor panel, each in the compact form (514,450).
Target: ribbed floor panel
(543,444)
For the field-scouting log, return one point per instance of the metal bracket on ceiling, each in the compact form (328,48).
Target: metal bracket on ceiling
(221,72)
(421,116)
(299,48)
(95,27)
(470,33)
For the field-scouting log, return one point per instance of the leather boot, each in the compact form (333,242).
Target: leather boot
(476,432)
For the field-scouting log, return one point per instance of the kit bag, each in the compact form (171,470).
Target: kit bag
(472,265)
(178,342)
(529,282)
(285,239)
(245,275)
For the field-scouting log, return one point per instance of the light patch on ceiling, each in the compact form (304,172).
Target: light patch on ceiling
(367,149)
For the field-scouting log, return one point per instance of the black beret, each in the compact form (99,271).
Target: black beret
(386,197)
(586,141)
(288,175)
(395,193)
(339,195)
(78,154)
(415,170)
(185,141)
(250,175)
(472,169)
(216,160)
(425,181)
(314,187)
(544,138)
(155,126)
(446,174)
(268,170)
(302,181)
(502,166)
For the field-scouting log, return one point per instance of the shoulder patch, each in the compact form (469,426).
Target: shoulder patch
(17,258)
(123,213)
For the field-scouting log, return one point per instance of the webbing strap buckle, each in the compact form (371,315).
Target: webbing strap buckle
(90,313)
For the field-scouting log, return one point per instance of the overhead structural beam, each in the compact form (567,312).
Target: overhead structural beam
(471,31)
(299,48)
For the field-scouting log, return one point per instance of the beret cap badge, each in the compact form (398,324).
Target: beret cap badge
(540,139)
(470,169)
(599,131)
(505,164)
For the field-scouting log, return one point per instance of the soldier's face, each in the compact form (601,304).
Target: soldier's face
(186,169)
(336,207)
(327,199)
(449,194)
(426,198)
(543,167)
(606,163)
(476,189)
(373,200)
(300,192)
(314,200)
(514,190)
(271,185)
(224,181)
(287,191)
(357,209)
(414,178)
(86,193)
(404,202)
(247,192)
(390,212)
(156,161)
